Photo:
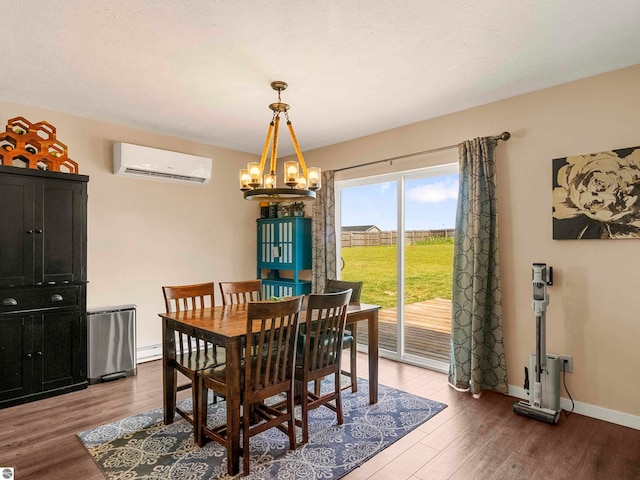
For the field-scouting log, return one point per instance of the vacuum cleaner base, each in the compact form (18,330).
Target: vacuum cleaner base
(542,414)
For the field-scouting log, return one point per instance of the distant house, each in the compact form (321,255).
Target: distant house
(361,228)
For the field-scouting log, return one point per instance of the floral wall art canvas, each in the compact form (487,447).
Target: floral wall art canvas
(597,195)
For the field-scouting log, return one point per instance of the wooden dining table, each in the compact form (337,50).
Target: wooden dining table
(226,326)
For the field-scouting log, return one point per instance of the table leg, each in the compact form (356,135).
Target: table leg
(233,353)
(373,356)
(169,376)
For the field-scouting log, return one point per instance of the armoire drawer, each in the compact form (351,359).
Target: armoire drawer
(18,300)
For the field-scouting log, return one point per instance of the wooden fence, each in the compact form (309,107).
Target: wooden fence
(378,238)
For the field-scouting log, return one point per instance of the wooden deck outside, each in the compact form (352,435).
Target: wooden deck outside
(427,329)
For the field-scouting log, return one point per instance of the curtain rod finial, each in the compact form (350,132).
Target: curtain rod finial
(504,136)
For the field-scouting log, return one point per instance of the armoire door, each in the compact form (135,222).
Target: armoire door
(59,240)
(17,232)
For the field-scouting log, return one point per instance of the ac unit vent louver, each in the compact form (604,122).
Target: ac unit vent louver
(168,176)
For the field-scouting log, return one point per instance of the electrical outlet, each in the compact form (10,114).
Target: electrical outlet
(566,363)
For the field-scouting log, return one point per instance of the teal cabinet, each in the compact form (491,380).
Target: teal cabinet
(284,245)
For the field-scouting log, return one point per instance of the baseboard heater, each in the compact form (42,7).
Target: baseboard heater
(111,343)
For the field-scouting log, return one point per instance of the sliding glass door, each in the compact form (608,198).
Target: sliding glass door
(397,237)
(368,248)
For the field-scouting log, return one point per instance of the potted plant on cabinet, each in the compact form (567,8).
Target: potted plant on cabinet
(297,209)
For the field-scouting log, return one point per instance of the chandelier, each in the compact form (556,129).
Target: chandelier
(301,182)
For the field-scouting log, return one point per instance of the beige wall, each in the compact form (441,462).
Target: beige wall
(592,314)
(143,234)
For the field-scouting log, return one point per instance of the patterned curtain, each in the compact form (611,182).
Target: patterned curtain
(324,234)
(477,350)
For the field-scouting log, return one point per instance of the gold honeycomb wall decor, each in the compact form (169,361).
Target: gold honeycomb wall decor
(34,145)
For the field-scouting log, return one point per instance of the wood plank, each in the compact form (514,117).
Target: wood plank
(427,329)
(39,438)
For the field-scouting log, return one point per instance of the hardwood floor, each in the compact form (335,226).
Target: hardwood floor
(471,439)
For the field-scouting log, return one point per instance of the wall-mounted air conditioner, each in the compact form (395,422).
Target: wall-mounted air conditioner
(153,163)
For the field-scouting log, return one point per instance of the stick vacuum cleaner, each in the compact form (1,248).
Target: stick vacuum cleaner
(544,398)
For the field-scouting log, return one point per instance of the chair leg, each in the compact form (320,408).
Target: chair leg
(174,393)
(246,424)
(304,404)
(316,387)
(200,421)
(195,400)
(353,370)
(338,391)
(292,419)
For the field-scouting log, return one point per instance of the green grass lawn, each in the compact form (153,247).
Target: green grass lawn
(427,271)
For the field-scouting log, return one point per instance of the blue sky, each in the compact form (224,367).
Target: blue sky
(430,204)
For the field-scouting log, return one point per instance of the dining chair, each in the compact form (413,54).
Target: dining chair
(320,353)
(241,292)
(192,355)
(266,373)
(350,336)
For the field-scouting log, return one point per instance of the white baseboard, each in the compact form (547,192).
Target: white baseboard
(612,416)
(148,353)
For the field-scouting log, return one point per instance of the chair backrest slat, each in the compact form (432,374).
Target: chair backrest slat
(275,327)
(334,286)
(188,297)
(179,298)
(241,292)
(324,328)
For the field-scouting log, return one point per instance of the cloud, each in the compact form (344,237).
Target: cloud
(433,193)
(384,187)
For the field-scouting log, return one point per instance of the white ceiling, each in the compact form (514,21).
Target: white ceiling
(201,69)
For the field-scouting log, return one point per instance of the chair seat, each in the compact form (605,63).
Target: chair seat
(219,372)
(202,361)
(302,337)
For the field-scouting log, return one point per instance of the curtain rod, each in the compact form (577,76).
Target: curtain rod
(504,136)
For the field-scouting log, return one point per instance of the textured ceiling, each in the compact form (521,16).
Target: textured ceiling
(200,69)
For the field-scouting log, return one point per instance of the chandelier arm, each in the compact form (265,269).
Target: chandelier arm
(294,140)
(274,147)
(267,142)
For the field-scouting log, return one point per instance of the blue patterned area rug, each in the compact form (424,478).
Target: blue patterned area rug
(142,447)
